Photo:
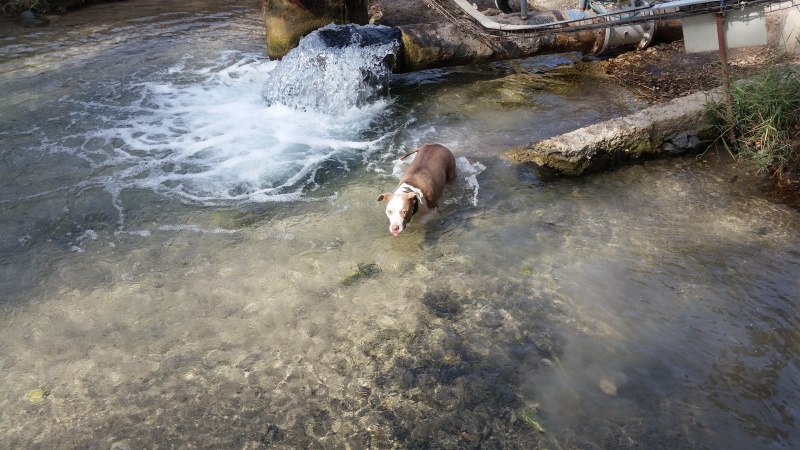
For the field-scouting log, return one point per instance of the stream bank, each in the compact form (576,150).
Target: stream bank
(678,87)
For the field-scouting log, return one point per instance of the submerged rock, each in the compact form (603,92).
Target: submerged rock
(491,319)
(362,271)
(441,303)
(529,415)
(31,19)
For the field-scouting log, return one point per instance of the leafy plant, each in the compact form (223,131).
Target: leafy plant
(764,117)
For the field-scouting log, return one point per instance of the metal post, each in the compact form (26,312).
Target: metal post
(523,9)
(726,77)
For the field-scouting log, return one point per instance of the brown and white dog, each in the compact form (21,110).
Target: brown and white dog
(420,186)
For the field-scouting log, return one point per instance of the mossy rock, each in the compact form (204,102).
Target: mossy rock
(36,396)
(530,416)
(362,272)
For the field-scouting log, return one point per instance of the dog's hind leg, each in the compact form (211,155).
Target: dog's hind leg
(450,173)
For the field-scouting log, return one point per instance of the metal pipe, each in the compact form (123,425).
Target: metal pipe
(640,34)
(523,9)
(429,45)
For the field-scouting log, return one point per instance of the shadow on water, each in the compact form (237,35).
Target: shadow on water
(648,307)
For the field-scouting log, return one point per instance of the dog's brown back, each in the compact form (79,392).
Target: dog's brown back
(433,166)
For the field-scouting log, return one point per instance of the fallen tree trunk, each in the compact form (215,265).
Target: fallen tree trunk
(669,129)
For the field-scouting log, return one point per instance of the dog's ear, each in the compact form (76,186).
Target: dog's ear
(385,196)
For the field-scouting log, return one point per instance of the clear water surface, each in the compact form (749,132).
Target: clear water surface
(186,264)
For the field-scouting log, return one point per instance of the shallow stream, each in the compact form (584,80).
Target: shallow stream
(184,264)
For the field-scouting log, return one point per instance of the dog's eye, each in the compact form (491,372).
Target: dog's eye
(403,212)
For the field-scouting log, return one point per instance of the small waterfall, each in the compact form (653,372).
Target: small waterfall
(335,68)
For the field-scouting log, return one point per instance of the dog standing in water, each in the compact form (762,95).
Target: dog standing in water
(421,185)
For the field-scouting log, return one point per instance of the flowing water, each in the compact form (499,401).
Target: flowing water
(192,260)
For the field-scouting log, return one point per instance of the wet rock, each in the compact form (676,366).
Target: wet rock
(272,435)
(287,21)
(176,361)
(441,303)
(520,351)
(529,415)
(31,19)
(6,362)
(679,143)
(668,148)
(505,395)
(407,380)
(449,374)
(362,36)
(610,383)
(121,445)
(681,140)
(491,319)
(363,271)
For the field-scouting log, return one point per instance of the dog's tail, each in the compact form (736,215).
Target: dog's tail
(408,154)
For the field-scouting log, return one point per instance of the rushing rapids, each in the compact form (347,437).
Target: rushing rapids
(335,68)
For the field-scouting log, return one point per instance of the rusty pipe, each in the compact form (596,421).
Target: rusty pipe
(430,45)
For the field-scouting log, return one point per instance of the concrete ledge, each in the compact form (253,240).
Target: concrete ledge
(783,28)
(668,129)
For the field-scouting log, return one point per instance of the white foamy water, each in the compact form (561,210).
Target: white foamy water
(203,131)
(335,69)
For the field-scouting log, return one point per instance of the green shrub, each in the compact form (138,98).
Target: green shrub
(765,119)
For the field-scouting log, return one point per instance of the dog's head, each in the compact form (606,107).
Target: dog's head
(399,209)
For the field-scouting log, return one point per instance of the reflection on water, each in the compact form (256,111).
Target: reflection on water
(649,307)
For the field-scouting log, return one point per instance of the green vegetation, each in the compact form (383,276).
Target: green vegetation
(40,6)
(530,416)
(36,395)
(765,120)
(362,272)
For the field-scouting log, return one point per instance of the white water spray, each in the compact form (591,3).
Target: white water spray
(201,130)
(335,68)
